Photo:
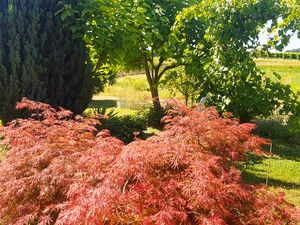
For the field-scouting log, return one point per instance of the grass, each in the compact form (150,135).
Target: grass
(131,92)
(133,87)
(284,170)
(288,69)
(128,92)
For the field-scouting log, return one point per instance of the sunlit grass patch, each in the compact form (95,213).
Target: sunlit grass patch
(131,90)
(282,168)
(289,70)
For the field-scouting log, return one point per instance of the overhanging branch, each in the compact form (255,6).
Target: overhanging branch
(168,68)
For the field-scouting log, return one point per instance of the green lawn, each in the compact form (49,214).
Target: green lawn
(284,170)
(130,92)
(288,69)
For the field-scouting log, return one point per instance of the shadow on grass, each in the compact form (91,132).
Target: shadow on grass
(286,151)
(249,177)
(252,159)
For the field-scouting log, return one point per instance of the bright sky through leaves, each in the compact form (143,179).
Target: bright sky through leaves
(294,41)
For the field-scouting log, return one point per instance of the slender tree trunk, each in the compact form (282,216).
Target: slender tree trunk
(155,97)
(100,61)
(186,97)
(153,84)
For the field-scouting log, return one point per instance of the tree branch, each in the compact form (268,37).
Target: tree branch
(161,60)
(168,68)
(152,63)
(147,70)
(100,61)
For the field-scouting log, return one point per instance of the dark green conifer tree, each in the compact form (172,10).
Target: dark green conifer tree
(40,59)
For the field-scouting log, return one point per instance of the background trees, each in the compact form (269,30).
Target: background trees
(231,75)
(215,37)
(40,59)
(134,34)
(179,81)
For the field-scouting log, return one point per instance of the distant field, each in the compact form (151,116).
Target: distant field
(288,69)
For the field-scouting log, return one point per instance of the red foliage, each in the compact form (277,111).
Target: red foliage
(59,171)
(48,154)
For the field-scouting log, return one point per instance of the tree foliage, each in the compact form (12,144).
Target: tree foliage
(217,37)
(178,81)
(135,34)
(231,74)
(289,23)
(40,59)
(59,170)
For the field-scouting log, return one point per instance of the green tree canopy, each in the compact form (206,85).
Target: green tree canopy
(136,34)
(231,75)
(217,37)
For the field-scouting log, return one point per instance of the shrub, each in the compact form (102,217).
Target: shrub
(48,153)
(151,117)
(40,58)
(237,85)
(125,128)
(248,96)
(264,54)
(273,129)
(293,55)
(59,171)
(279,55)
(294,124)
(179,81)
(278,129)
(272,55)
(286,55)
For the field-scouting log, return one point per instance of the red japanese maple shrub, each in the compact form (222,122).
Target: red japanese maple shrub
(60,171)
(48,153)
(187,175)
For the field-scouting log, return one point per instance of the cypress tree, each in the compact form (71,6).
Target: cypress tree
(40,59)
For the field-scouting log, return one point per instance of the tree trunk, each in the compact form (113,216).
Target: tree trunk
(153,84)
(155,97)
(186,98)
